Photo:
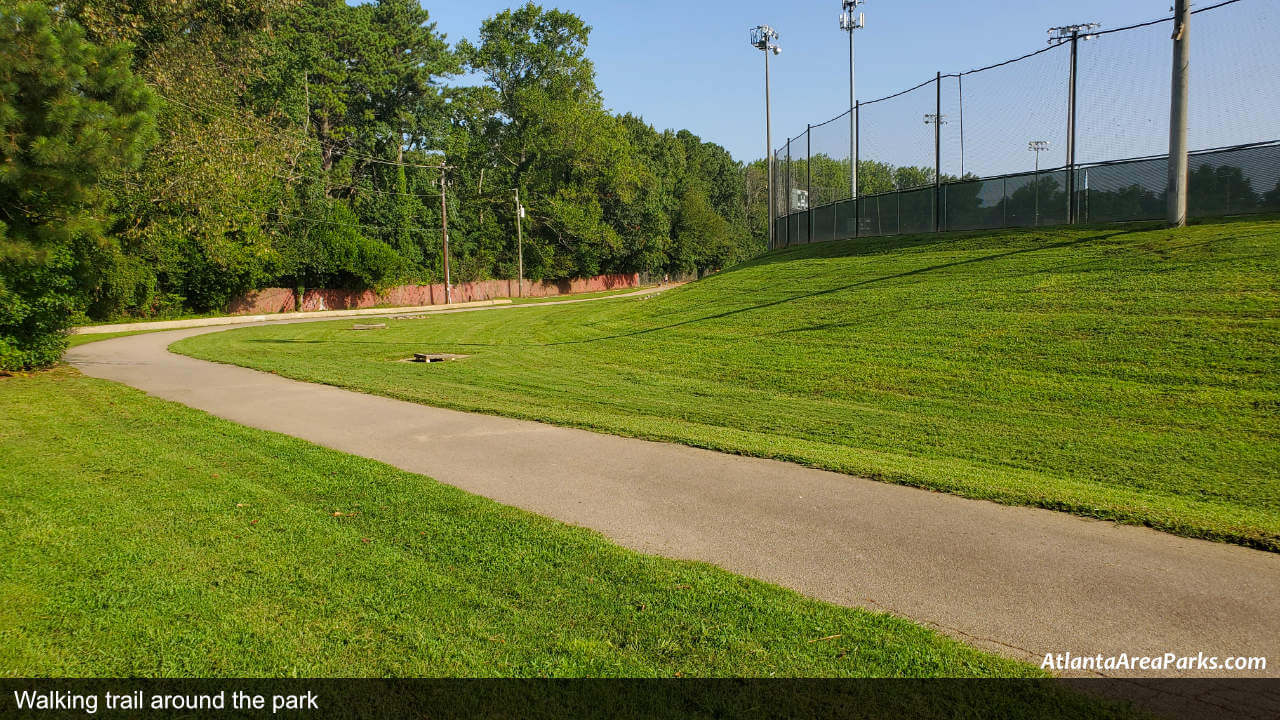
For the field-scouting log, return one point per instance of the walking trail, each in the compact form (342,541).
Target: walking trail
(1019,581)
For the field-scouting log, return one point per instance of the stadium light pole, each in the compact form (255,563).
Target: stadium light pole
(765,38)
(848,23)
(937,120)
(1037,146)
(1072,34)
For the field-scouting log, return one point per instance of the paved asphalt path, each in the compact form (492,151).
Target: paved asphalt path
(1019,581)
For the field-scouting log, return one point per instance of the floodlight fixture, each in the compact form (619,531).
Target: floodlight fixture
(1037,147)
(765,38)
(1064,33)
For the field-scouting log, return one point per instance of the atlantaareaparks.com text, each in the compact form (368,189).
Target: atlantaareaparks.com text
(1167,661)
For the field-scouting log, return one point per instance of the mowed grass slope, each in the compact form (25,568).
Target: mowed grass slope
(1125,372)
(143,538)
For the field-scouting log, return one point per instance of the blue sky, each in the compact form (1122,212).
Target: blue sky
(688,64)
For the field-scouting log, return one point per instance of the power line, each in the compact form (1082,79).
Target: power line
(208,104)
(279,213)
(299,174)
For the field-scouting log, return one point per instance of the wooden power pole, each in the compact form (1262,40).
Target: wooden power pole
(444,231)
(519,242)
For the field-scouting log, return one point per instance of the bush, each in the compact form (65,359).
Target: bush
(335,254)
(37,300)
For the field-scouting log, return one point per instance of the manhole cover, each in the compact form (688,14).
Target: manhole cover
(433,357)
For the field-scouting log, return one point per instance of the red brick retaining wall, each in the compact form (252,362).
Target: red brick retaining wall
(274,300)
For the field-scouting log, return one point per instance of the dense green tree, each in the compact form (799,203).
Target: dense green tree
(71,113)
(299,144)
(554,140)
(190,219)
(702,236)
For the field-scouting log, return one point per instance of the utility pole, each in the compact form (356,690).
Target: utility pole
(764,38)
(519,242)
(1178,106)
(444,230)
(937,120)
(849,22)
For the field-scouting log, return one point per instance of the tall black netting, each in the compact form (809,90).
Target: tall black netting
(951,138)
(1122,95)
(895,144)
(1235,80)
(831,146)
(780,180)
(796,198)
(1002,138)
(1005,108)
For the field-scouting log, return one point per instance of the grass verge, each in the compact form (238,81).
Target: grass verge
(81,338)
(579,296)
(1128,373)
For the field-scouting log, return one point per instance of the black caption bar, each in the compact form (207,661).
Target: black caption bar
(682,698)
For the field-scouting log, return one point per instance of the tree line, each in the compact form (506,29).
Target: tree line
(161,158)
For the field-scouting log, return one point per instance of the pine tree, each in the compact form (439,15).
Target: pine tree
(71,112)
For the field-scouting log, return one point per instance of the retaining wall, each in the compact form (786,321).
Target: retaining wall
(277,300)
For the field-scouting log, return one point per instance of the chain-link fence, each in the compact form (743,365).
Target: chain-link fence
(1002,146)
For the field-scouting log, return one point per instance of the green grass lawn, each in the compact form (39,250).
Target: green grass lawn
(81,338)
(143,538)
(1121,372)
(579,296)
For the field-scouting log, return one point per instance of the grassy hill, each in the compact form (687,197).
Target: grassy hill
(1124,372)
(141,538)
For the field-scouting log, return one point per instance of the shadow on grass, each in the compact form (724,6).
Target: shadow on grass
(738,311)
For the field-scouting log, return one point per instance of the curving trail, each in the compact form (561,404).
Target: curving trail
(1019,581)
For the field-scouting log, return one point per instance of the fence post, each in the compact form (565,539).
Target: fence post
(787,190)
(937,155)
(808,181)
(857,204)
(1178,107)
(960,99)
(1004,202)
(1071,131)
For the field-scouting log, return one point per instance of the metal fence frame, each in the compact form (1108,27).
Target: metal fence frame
(1059,195)
(883,213)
